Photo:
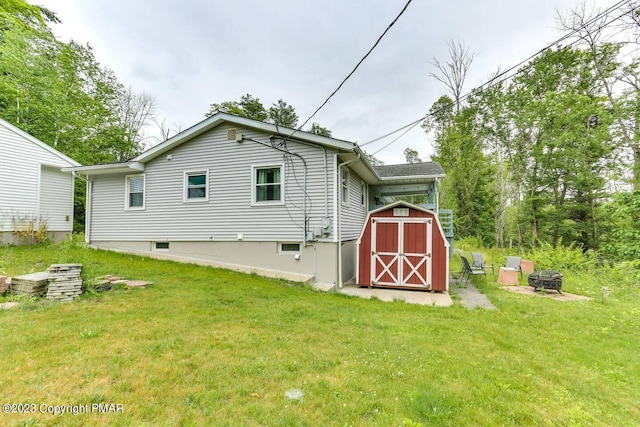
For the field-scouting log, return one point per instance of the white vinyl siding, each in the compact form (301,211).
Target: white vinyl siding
(134,192)
(230,210)
(21,162)
(57,211)
(196,186)
(353,213)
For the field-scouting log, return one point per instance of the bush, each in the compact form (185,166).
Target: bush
(30,229)
(572,257)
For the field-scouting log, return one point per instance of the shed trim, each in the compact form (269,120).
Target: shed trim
(406,204)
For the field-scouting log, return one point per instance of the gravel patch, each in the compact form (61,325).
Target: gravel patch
(471,296)
(547,293)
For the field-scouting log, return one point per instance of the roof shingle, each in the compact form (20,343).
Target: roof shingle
(410,169)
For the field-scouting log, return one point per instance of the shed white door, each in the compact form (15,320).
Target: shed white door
(401,252)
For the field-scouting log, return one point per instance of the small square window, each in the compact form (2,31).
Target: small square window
(400,211)
(195,186)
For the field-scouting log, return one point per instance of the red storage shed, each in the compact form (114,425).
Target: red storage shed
(403,246)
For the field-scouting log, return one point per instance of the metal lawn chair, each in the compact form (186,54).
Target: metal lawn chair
(513,262)
(478,262)
(468,270)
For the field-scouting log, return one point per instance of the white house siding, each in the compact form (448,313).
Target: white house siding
(228,213)
(354,213)
(352,217)
(56,199)
(20,162)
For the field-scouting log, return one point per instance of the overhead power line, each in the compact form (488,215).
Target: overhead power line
(354,69)
(494,80)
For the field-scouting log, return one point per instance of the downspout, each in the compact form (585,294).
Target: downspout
(88,202)
(339,203)
(437,197)
(304,191)
(87,213)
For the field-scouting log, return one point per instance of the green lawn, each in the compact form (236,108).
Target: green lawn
(205,346)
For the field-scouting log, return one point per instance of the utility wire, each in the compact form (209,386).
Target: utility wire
(354,69)
(414,124)
(494,80)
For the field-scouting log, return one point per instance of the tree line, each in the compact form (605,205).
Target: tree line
(59,93)
(541,157)
(552,154)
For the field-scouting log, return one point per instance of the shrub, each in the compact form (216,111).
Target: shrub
(572,257)
(30,229)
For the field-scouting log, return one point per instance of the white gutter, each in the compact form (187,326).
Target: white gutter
(108,168)
(338,203)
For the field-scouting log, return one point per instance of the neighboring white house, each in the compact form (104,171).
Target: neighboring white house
(33,189)
(248,195)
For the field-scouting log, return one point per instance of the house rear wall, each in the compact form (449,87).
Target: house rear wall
(229,212)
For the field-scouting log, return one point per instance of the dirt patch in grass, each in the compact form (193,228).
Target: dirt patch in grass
(548,293)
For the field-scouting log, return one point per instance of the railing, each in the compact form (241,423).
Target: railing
(446,220)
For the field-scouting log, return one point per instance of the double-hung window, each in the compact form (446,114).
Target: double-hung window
(134,192)
(267,184)
(196,186)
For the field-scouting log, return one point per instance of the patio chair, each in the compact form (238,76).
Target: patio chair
(514,263)
(478,262)
(468,270)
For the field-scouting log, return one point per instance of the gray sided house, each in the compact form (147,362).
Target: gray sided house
(34,192)
(247,195)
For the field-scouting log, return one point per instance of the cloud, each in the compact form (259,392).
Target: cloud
(189,54)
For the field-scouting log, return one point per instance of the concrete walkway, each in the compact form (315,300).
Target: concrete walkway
(470,295)
(440,299)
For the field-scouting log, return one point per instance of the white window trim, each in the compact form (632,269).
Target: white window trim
(253,185)
(347,178)
(126,192)
(185,186)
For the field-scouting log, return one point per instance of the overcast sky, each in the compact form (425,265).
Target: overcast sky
(189,54)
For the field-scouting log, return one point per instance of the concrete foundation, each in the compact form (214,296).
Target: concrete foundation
(315,263)
(9,238)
